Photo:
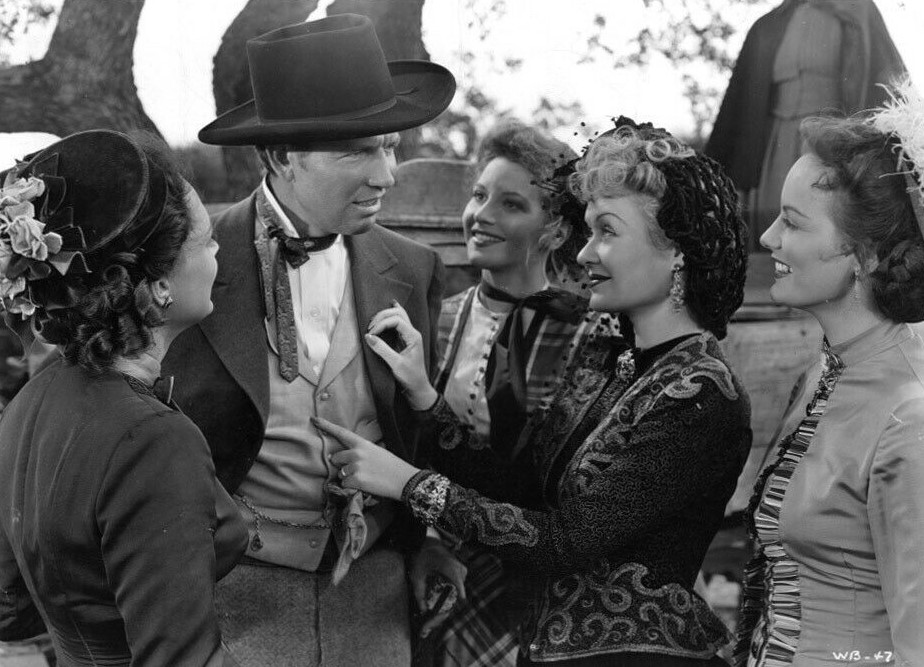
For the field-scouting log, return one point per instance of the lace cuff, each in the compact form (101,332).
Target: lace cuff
(425,495)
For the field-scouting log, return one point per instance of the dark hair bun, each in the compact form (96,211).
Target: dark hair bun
(898,282)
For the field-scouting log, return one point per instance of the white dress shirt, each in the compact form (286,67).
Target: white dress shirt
(317,290)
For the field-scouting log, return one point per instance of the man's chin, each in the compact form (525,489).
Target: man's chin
(355,226)
(364,225)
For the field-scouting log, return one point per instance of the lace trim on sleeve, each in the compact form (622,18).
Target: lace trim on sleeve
(425,495)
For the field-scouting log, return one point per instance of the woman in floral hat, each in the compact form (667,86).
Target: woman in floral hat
(113,528)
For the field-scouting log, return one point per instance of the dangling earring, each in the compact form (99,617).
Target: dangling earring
(855,290)
(676,293)
(166,303)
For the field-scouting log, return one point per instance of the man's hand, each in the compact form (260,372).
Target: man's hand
(435,557)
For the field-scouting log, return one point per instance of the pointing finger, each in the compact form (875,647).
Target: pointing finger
(346,437)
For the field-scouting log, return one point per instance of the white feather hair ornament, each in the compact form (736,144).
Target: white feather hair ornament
(902,116)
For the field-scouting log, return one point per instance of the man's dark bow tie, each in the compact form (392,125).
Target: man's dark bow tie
(297,250)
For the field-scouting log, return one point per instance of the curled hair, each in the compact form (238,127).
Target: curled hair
(693,204)
(114,313)
(547,159)
(873,209)
(625,162)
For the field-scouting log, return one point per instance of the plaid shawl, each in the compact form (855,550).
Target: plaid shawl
(482,629)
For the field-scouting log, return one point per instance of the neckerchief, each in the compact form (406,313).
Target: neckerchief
(277,292)
(296,250)
(505,379)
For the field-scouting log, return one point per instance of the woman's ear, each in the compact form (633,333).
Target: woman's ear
(562,234)
(160,291)
(867,267)
(555,235)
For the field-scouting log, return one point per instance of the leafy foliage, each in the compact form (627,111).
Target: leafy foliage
(700,38)
(455,133)
(18,16)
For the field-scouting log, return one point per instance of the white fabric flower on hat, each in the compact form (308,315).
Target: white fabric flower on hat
(21,190)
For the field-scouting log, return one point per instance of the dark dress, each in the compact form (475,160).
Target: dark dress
(636,470)
(109,534)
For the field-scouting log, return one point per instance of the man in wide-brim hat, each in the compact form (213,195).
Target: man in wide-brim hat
(302,270)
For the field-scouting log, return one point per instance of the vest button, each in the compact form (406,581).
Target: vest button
(313,544)
(325,395)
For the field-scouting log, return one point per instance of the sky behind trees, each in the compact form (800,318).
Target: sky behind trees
(177,40)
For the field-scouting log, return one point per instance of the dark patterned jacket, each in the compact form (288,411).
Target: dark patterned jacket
(629,509)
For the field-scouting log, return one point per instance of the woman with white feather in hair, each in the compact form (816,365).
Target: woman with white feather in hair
(837,518)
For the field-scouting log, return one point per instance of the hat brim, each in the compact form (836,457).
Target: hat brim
(423,91)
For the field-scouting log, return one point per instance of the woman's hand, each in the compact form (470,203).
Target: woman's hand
(407,364)
(365,465)
(435,557)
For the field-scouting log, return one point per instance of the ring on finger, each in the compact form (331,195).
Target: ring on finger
(343,473)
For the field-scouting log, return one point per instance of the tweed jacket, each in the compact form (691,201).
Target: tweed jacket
(221,365)
(629,509)
(109,534)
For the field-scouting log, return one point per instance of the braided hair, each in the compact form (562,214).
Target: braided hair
(873,209)
(696,210)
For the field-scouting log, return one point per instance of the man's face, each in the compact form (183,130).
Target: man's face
(337,186)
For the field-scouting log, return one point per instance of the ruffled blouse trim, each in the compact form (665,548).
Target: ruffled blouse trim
(775,637)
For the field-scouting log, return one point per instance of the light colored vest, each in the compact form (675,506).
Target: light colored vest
(289,480)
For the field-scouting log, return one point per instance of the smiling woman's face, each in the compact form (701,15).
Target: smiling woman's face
(504,221)
(814,268)
(628,272)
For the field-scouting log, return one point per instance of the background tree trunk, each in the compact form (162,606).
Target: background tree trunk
(85,79)
(231,77)
(398,26)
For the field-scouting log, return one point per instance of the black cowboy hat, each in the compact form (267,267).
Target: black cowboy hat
(327,80)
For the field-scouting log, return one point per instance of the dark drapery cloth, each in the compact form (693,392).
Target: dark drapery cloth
(742,128)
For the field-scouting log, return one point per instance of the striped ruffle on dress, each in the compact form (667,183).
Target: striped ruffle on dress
(771,610)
